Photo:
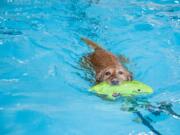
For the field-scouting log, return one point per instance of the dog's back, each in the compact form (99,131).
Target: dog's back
(100,58)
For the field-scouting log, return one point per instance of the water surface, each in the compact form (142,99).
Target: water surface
(43,89)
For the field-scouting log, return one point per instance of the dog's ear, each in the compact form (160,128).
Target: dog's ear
(122,59)
(131,76)
(99,76)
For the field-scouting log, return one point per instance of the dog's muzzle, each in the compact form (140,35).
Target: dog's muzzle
(114,82)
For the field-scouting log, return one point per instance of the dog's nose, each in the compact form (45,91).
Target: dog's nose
(114,82)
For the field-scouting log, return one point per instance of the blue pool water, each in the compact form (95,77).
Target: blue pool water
(43,89)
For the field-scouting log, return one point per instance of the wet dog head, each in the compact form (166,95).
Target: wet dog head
(114,75)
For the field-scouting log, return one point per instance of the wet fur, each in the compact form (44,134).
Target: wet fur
(106,65)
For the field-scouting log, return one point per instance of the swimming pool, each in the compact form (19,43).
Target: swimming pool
(44,91)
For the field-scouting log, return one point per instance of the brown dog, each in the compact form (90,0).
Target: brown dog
(106,65)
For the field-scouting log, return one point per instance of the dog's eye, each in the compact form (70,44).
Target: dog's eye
(120,72)
(107,73)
